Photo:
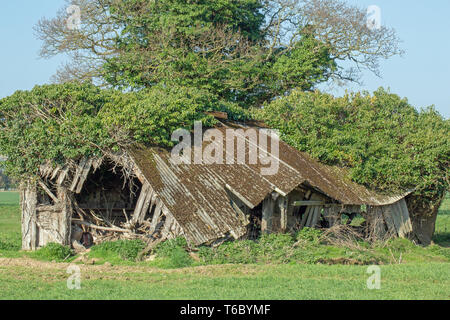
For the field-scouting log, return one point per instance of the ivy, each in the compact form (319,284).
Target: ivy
(386,143)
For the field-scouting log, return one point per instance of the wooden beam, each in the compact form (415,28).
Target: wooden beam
(239,196)
(48,191)
(305,217)
(156,216)
(267,214)
(93,226)
(310,203)
(218,114)
(84,175)
(142,204)
(65,217)
(29,228)
(316,217)
(283,206)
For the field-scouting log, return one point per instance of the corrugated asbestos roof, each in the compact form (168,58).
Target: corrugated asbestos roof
(196,194)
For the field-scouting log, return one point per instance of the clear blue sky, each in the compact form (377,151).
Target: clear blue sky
(422,75)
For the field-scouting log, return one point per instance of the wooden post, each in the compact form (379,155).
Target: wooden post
(267,213)
(29,229)
(283,203)
(65,219)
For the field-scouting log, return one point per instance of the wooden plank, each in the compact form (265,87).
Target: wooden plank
(267,214)
(55,172)
(283,206)
(401,218)
(139,217)
(310,216)
(62,176)
(387,214)
(316,216)
(84,175)
(406,218)
(48,191)
(167,226)
(29,227)
(309,203)
(78,172)
(93,226)
(140,204)
(396,218)
(156,216)
(305,217)
(65,218)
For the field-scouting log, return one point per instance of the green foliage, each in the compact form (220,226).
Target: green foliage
(172,254)
(304,247)
(244,251)
(192,44)
(54,123)
(125,249)
(53,252)
(10,244)
(154,114)
(387,144)
(309,234)
(218,46)
(51,123)
(303,67)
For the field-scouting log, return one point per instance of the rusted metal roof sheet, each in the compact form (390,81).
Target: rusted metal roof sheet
(297,168)
(193,194)
(196,194)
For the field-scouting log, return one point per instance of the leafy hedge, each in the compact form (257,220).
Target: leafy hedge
(388,145)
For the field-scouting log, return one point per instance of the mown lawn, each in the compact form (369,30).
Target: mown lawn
(24,278)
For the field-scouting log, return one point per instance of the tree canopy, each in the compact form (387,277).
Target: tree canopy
(239,50)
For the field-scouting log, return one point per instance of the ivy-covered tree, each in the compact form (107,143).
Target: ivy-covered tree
(386,143)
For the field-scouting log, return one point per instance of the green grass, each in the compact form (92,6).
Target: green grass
(10,228)
(442,233)
(417,281)
(9,198)
(257,270)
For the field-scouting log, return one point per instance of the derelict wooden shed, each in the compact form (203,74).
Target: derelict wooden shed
(141,192)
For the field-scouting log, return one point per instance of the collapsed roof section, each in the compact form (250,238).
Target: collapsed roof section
(196,194)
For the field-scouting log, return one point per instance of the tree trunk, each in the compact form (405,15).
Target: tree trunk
(423,217)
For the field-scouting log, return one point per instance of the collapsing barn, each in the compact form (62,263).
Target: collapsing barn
(142,193)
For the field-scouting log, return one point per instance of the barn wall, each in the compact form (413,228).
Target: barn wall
(43,223)
(28,206)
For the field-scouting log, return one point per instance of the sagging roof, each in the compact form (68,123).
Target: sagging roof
(196,194)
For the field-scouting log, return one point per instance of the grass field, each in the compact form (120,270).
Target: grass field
(423,274)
